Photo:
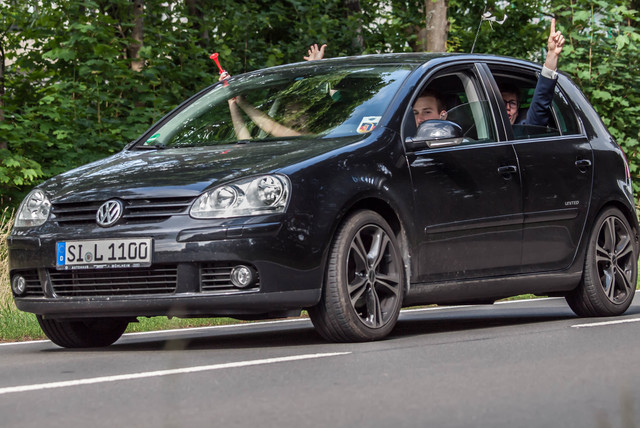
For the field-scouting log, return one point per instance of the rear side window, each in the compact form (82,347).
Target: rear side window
(560,119)
(564,114)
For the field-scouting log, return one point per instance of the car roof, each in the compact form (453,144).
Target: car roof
(415,59)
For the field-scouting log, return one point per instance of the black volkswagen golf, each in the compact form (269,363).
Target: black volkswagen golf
(313,187)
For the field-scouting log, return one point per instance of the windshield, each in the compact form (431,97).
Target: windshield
(330,101)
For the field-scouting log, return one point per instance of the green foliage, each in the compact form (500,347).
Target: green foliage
(71,96)
(522,35)
(602,57)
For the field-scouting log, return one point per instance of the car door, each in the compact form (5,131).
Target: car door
(468,201)
(557,174)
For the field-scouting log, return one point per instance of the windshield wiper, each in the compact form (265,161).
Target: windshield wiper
(151,147)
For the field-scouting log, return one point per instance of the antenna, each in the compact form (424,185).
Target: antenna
(486,16)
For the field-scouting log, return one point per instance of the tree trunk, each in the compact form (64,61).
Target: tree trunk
(353,7)
(433,38)
(194,8)
(137,34)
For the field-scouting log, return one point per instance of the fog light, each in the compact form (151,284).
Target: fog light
(19,285)
(243,276)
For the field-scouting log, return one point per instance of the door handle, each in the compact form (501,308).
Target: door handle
(507,170)
(583,163)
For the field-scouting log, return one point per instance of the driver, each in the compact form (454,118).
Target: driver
(428,106)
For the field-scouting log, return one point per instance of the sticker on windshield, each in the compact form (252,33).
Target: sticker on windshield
(152,138)
(368,123)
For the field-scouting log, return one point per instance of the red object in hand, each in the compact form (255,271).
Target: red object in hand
(214,57)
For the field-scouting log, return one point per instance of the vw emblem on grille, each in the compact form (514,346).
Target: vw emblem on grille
(109,213)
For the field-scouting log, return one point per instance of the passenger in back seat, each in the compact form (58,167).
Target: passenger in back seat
(538,113)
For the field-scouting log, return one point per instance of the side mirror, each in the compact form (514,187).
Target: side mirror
(435,133)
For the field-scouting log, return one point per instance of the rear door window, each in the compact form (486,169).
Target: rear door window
(561,119)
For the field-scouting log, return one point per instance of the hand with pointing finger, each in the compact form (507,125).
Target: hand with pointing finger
(555,44)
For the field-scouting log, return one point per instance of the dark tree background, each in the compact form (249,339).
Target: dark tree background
(80,79)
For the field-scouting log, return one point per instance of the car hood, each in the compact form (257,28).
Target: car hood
(183,171)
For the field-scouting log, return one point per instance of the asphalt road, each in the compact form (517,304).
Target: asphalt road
(517,364)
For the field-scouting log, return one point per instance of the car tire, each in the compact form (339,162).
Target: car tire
(364,282)
(90,333)
(610,269)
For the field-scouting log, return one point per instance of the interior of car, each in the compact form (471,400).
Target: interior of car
(465,105)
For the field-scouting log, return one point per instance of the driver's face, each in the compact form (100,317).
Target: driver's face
(426,108)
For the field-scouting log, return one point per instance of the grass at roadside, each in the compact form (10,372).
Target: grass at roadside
(6,221)
(15,325)
(163,323)
(18,326)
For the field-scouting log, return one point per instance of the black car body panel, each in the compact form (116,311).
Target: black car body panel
(476,221)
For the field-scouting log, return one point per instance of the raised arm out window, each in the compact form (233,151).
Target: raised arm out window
(561,117)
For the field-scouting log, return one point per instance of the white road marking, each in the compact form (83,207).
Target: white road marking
(604,323)
(532,300)
(217,327)
(23,343)
(185,370)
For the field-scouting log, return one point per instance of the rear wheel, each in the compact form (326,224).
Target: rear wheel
(363,288)
(89,333)
(610,270)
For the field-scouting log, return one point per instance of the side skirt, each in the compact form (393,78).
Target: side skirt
(487,290)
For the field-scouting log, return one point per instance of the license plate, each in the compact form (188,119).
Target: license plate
(104,253)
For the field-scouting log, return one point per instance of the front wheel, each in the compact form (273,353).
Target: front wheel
(610,269)
(364,282)
(89,333)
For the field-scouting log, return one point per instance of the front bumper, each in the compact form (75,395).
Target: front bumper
(185,305)
(189,275)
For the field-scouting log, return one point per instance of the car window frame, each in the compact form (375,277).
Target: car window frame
(477,77)
(518,71)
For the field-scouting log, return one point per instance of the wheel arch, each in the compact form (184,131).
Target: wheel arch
(596,294)
(629,214)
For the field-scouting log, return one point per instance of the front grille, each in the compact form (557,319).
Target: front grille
(34,289)
(217,277)
(135,210)
(115,282)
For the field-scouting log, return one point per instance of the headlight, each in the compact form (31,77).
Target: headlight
(34,210)
(264,194)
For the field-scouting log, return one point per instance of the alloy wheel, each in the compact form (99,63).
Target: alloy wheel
(614,260)
(373,276)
